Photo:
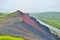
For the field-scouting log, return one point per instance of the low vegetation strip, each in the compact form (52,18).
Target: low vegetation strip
(10,38)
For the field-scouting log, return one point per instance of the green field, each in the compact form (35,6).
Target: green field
(52,18)
(7,14)
(10,38)
(3,14)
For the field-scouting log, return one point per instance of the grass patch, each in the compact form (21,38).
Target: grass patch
(10,38)
(53,23)
(3,15)
(7,14)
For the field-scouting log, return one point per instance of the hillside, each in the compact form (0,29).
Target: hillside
(20,24)
(52,18)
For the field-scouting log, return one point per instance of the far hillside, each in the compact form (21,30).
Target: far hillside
(3,14)
(7,14)
(52,18)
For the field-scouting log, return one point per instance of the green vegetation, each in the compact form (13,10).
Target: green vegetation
(10,38)
(3,15)
(6,14)
(52,18)
(10,14)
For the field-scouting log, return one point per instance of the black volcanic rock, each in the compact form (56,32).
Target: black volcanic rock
(22,25)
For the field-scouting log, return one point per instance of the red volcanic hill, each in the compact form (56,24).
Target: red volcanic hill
(23,25)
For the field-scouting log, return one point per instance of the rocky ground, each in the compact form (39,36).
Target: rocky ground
(19,26)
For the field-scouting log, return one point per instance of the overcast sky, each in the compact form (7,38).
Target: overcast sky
(29,5)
